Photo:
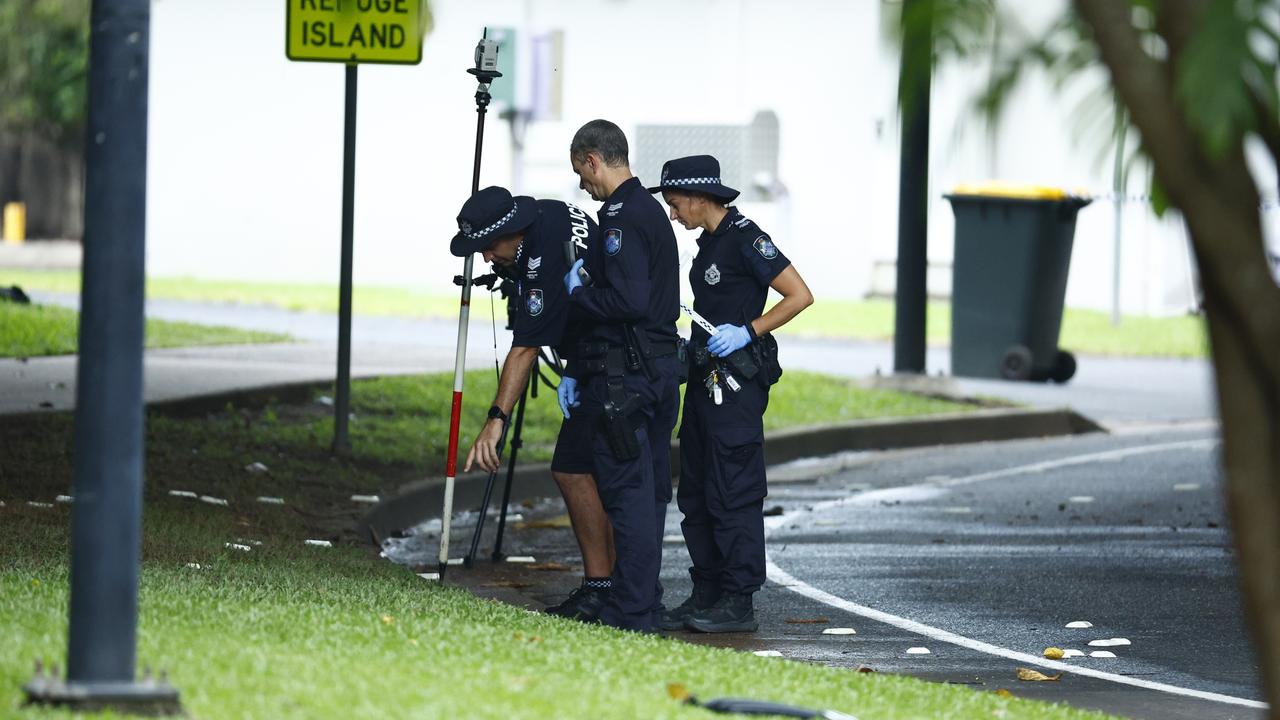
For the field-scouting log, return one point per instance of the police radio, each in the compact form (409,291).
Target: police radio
(572,249)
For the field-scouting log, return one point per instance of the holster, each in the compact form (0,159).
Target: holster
(620,408)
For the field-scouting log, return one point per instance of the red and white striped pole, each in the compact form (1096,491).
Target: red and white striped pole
(486,70)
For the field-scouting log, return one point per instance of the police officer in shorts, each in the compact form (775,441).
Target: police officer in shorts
(624,376)
(526,240)
(722,467)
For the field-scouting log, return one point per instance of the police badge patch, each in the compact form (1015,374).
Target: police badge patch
(612,241)
(765,247)
(712,275)
(533,302)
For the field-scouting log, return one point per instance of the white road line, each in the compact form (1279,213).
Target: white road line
(786,580)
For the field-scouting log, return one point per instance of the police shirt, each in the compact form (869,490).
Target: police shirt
(544,317)
(732,271)
(635,267)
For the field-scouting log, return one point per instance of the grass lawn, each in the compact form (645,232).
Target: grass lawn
(291,631)
(1085,332)
(33,330)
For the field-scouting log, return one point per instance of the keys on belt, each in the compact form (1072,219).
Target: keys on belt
(714,380)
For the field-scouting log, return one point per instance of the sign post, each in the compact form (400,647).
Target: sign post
(351,32)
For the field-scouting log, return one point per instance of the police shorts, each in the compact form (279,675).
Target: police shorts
(573,445)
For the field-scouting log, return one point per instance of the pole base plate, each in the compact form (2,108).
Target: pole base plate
(149,697)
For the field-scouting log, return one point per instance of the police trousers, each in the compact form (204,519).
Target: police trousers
(635,493)
(722,485)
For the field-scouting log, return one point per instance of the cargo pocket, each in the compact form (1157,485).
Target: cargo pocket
(739,460)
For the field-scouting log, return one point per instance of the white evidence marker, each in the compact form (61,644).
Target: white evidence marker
(1186,487)
(455,561)
(1071,653)
(184,493)
(918,651)
(265,500)
(839,631)
(317,543)
(1102,654)
(767,653)
(214,501)
(429,576)
(64,499)
(35,504)
(1079,624)
(957,510)
(238,546)
(521,559)
(370,499)
(194,566)
(1080,499)
(1113,642)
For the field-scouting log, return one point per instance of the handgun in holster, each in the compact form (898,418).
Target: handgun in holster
(620,423)
(620,407)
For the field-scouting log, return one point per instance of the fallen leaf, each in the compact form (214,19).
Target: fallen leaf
(678,692)
(865,669)
(1036,675)
(561,521)
(413,642)
(1054,653)
(388,620)
(806,621)
(549,566)
(1001,692)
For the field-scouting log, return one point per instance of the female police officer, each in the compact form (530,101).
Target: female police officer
(722,480)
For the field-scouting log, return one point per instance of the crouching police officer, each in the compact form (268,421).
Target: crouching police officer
(529,242)
(625,374)
(722,480)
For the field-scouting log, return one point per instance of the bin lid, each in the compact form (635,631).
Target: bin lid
(999,189)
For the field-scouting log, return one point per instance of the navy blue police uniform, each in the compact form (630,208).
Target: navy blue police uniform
(628,371)
(544,317)
(547,318)
(722,468)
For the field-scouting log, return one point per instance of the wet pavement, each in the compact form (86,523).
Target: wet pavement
(981,554)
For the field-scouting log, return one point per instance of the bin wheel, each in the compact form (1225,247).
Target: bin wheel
(1016,364)
(1064,367)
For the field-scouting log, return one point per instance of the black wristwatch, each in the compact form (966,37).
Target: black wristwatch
(496,412)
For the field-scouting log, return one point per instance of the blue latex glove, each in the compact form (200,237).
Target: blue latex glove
(567,393)
(727,339)
(573,282)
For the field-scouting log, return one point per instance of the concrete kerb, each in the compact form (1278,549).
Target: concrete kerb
(422,500)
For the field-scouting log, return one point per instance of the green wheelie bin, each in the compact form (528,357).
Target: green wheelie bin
(1009,280)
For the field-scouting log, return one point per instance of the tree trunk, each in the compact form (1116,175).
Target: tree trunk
(1250,440)
(1220,201)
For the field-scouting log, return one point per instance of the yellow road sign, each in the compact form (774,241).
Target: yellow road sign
(355,31)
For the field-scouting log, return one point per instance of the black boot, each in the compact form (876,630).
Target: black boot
(702,598)
(731,613)
(583,604)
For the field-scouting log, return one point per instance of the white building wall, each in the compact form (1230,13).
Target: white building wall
(246,147)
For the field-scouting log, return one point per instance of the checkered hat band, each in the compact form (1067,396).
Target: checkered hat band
(495,226)
(692,181)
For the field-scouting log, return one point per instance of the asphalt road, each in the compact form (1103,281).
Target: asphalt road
(983,554)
